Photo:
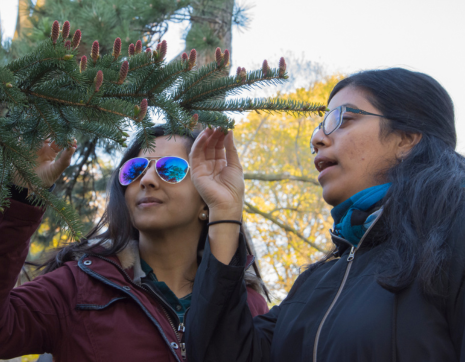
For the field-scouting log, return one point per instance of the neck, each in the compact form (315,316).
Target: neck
(172,254)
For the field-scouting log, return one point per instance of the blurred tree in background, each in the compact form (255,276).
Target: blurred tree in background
(284,208)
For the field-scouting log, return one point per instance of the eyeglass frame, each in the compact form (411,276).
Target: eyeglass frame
(343,109)
(150,159)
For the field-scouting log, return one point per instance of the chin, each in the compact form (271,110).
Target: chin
(331,196)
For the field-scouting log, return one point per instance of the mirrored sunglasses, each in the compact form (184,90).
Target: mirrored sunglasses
(170,169)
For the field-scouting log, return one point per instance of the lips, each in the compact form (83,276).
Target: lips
(321,163)
(149,200)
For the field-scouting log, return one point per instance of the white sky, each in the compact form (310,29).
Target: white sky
(347,36)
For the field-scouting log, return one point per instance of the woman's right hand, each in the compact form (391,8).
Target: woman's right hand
(49,168)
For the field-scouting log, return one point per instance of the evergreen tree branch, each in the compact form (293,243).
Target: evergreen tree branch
(230,85)
(253,210)
(196,78)
(268,105)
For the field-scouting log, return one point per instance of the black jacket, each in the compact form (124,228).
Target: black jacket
(337,312)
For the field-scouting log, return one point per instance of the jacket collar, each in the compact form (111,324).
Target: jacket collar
(129,259)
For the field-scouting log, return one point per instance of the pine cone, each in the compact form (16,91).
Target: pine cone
(94,54)
(65,30)
(131,49)
(138,47)
(123,72)
(192,58)
(116,48)
(83,64)
(55,31)
(98,80)
(76,39)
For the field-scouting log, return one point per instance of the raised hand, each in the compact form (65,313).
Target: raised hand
(217,173)
(49,168)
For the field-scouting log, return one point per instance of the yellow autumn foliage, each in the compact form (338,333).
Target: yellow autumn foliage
(288,219)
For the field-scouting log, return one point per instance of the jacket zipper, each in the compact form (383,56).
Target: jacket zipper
(181,326)
(183,347)
(350,260)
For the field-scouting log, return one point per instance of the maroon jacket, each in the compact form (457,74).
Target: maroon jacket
(91,309)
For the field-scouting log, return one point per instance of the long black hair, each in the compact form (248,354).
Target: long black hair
(427,194)
(119,228)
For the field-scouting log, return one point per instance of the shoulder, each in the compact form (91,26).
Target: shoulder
(257,303)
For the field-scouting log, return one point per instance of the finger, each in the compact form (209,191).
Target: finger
(210,149)
(55,147)
(232,157)
(197,153)
(219,148)
(65,159)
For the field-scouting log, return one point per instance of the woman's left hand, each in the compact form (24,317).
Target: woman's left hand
(217,174)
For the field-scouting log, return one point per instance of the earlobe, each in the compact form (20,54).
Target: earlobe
(407,142)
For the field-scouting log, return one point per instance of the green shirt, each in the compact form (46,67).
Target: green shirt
(179,305)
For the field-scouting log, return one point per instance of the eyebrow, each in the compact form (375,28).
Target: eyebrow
(350,105)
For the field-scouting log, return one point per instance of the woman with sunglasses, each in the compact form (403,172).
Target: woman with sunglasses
(392,288)
(122,293)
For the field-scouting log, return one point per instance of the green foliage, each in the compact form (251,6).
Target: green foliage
(48,96)
(101,20)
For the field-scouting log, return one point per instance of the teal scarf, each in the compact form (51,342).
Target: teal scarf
(352,219)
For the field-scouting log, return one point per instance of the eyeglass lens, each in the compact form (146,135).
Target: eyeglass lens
(332,120)
(131,170)
(172,169)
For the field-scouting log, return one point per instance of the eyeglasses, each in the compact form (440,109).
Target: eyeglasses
(171,169)
(334,119)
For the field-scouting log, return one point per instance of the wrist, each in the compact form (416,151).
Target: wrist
(217,215)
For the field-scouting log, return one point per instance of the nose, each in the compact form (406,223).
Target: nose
(150,178)
(319,140)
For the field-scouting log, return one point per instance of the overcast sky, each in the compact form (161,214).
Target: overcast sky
(347,36)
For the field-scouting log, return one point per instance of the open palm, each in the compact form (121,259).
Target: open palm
(217,173)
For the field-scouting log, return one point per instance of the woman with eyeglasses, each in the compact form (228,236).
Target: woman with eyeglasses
(123,292)
(392,287)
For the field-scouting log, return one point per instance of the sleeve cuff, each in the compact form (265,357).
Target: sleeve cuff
(21,194)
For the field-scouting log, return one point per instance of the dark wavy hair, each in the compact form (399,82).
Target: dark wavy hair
(119,228)
(427,196)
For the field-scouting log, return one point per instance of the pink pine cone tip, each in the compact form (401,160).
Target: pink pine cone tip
(94,54)
(138,47)
(83,64)
(282,67)
(238,71)
(68,44)
(218,56)
(163,49)
(143,109)
(55,31)
(265,68)
(65,30)
(123,72)
(98,80)
(76,39)
(131,49)
(117,48)
(192,58)
(148,50)
(184,57)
